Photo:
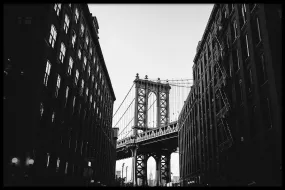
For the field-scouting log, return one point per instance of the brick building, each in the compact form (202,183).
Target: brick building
(230,126)
(58,97)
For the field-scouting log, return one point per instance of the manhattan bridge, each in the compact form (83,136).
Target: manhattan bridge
(147,123)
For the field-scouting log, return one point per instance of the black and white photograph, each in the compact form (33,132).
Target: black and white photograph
(142,95)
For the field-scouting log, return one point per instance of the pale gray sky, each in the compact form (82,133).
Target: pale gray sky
(158,40)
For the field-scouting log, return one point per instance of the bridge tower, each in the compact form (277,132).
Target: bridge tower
(143,88)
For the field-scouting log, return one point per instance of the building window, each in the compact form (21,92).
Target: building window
(66,167)
(85,62)
(62,52)
(79,54)
(57,85)
(41,108)
(66,23)
(92,79)
(73,103)
(97,68)
(90,99)
(81,30)
(94,105)
(76,15)
(70,65)
(57,8)
(86,92)
(66,94)
(90,51)
(88,70)
(47,72)
(52,37)
(52,117)
(73,40)
(96,85)
(82,87)
(76,76)
(94,59)
(87,39)
(256,30)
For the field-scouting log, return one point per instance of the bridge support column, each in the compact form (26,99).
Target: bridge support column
(134,165)
(142,168)
(165,167)
(158,170)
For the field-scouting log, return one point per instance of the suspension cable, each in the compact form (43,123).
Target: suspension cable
(124,112)
(124,99)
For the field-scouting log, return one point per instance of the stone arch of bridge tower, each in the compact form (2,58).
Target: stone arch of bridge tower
(143,88)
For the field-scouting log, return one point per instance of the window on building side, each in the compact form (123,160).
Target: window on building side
(57,8)
(94,59)
(82,87)
(52,37)
(81,30)
(62,52)
(90,51)
(52,116)
(76,76)
(66,93)
(92,78)
(87,39)
(88,70)
(70,65)
(66,23)
(41,108)
(79,54)
(94,105)
(76,15)
(86,92)
(73,40)
(47,72)
(57,85)
(73,102)
(85,62)
(90,99)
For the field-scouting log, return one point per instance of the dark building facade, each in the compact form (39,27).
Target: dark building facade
(58,98)
(230,125)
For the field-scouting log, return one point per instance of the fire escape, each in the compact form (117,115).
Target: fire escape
(222,89)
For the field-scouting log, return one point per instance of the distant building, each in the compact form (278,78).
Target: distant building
(118,174)
(150,180)
(230,125)
(58,97)
(175,179)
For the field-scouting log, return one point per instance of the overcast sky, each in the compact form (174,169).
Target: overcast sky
(158,40)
